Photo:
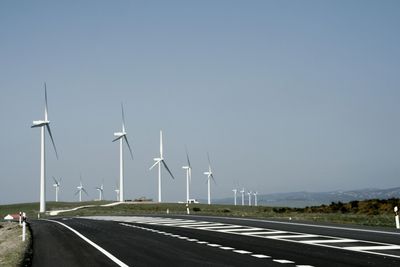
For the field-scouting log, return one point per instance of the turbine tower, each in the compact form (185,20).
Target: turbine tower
(80,189)
(209,177)
(242,192)
(117,192)
(234,193)
(57,185)
(159,161)
(122,136)
(101,190)
(255,198)
(249,193)
(188,169)
(44,124)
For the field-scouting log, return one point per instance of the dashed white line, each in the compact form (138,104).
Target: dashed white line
(213,245)
(242,251)
(260,256)
(226,248)
(283,261)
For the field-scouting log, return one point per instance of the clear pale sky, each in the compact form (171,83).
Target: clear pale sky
(284,95)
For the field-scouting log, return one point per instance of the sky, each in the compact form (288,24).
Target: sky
(284,95)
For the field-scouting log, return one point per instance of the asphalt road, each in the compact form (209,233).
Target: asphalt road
(205,241)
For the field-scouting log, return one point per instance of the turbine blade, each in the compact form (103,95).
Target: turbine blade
(45,103)
(212,176)
(130,150)
(55,180)
(83,189)
(165,165)
(187,157)
(158,161)
(76,192)
(123,117)
(161,145)
(119,137)
(52,140)
(208,157)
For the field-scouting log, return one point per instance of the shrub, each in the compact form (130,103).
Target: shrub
(196,209)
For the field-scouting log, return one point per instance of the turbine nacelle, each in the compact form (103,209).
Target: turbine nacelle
(39,123)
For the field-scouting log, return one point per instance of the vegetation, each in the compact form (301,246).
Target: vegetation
(12,249)
(369,212)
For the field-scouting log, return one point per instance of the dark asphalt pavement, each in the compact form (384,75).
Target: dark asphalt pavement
(146,244)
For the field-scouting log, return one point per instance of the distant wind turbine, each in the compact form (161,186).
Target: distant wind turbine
(117,192)
(101,190)
(188,169)
(122,136)
(160,161)
(249,193)
(57,184)
(242,192)
(255,198)
(234,193)
(209,177)
(44,124)
(80,189)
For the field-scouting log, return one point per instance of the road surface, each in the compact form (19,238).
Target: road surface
(207,241)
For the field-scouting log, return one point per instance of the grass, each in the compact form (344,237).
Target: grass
(12,249)
(371,212)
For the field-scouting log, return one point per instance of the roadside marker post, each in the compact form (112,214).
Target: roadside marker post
(23,226)
(20,218)
(396,217)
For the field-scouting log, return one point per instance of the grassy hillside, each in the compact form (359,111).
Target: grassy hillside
(369,212)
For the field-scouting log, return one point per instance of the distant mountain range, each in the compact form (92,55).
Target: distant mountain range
(303,199)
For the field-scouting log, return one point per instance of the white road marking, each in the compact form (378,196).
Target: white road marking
(260,256)
(373,248)
(102,250)
(213,245)
(265,233)
(244,229)
(323,241)
(193,240)
(304,266)
(202,242)
(226,248)
(242,251)
(283,261)
(289,236)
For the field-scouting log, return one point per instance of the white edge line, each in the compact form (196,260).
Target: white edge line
(102,250)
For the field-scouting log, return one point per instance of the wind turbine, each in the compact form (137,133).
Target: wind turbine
(188,169)
(80,189)
(101,190)
(44,124)
(57,185)
(209,176)
(117,192)
(255,198)
(235,192)
(249,193)
(122,136)
(242,192)
(160,161)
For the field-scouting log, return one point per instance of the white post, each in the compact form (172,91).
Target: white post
(187,209)
(23,226)
(42,172)
(23,230)
(20,218)
(396,217)
(121,172)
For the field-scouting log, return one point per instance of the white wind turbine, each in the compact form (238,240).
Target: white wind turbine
(255,198)
(57,185)
(188,169)
(249,193)
(122,136)
(80,189)
(209,177)
(242,192)
(234,193)
(160,161)
(117,192)
(101,190)
(44,124)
